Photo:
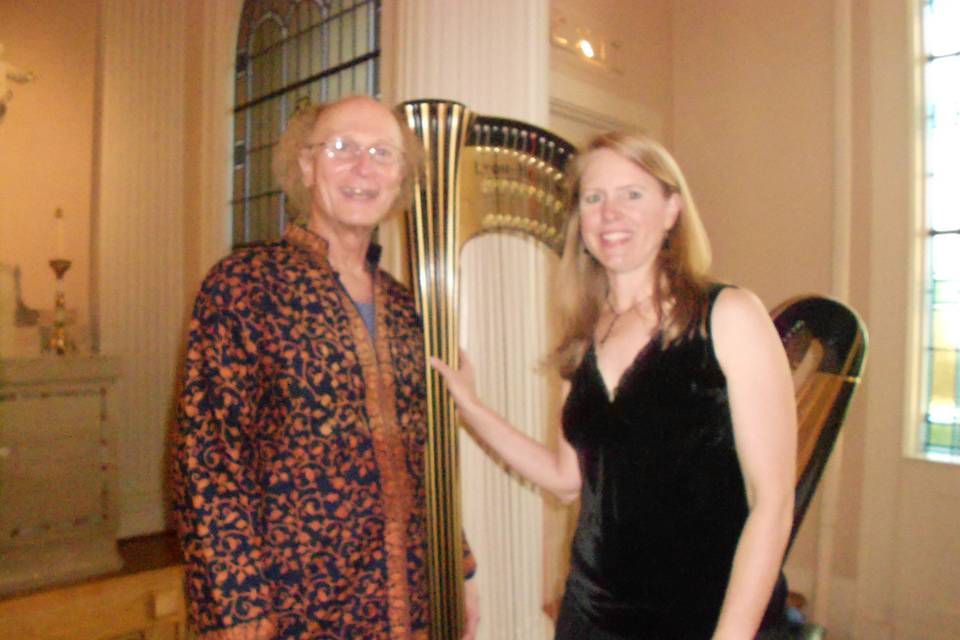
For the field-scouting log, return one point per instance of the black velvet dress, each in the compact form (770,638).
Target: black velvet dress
(663,499)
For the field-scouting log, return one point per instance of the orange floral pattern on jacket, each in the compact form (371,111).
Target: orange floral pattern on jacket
(299,457)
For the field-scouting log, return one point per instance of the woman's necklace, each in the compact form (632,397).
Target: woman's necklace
(616,316)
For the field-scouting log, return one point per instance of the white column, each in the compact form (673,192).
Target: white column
(208,153)
(493,57)
(138,236)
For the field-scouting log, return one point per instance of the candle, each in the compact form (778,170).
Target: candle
(58,225)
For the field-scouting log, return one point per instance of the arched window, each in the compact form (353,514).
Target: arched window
(289,52)
(940,434)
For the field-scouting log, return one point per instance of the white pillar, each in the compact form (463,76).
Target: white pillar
(138,236)
(493,57)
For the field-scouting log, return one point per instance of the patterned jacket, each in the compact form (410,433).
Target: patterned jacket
(299,457)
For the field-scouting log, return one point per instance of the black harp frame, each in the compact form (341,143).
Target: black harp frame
(826,345)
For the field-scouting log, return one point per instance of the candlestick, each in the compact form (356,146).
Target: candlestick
(59,342)
(58,227)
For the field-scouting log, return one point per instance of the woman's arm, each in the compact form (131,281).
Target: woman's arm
(555,471)
(764,415)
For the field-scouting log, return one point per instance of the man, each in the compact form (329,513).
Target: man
(298,469)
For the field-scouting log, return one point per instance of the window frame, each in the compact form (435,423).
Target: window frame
(928,445)
(349,63)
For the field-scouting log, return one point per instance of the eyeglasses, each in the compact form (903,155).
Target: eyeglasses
(347,150)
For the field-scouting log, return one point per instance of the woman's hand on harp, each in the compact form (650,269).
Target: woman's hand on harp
(461,383)
(556,471)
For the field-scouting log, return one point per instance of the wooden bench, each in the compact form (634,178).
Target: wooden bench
(142,601)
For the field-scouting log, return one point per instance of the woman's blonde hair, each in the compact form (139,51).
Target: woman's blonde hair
(285,163)
(682,264)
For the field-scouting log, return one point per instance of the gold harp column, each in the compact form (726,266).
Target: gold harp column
(434,245)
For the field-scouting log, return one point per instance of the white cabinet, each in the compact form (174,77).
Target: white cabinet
(58,516)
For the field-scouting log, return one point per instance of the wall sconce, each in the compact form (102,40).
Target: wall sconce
(588,45)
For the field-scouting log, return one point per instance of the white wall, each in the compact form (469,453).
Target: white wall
(46,162)
(795,121)
(131,138)
(634,91)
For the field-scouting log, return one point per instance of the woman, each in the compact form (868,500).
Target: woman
(678,420)
(298,473)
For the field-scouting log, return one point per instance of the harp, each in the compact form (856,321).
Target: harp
(481,174)
(826,344)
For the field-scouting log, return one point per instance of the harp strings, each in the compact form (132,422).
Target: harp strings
(503,306)
(514,207)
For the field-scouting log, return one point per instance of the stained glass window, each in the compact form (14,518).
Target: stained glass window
(941,415)
(289,52)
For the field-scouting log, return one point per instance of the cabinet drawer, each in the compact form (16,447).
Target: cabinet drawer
(51,417)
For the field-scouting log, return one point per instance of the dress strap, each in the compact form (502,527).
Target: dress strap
(713,292)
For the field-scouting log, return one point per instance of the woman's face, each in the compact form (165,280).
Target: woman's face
(353,165)
(624,212)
